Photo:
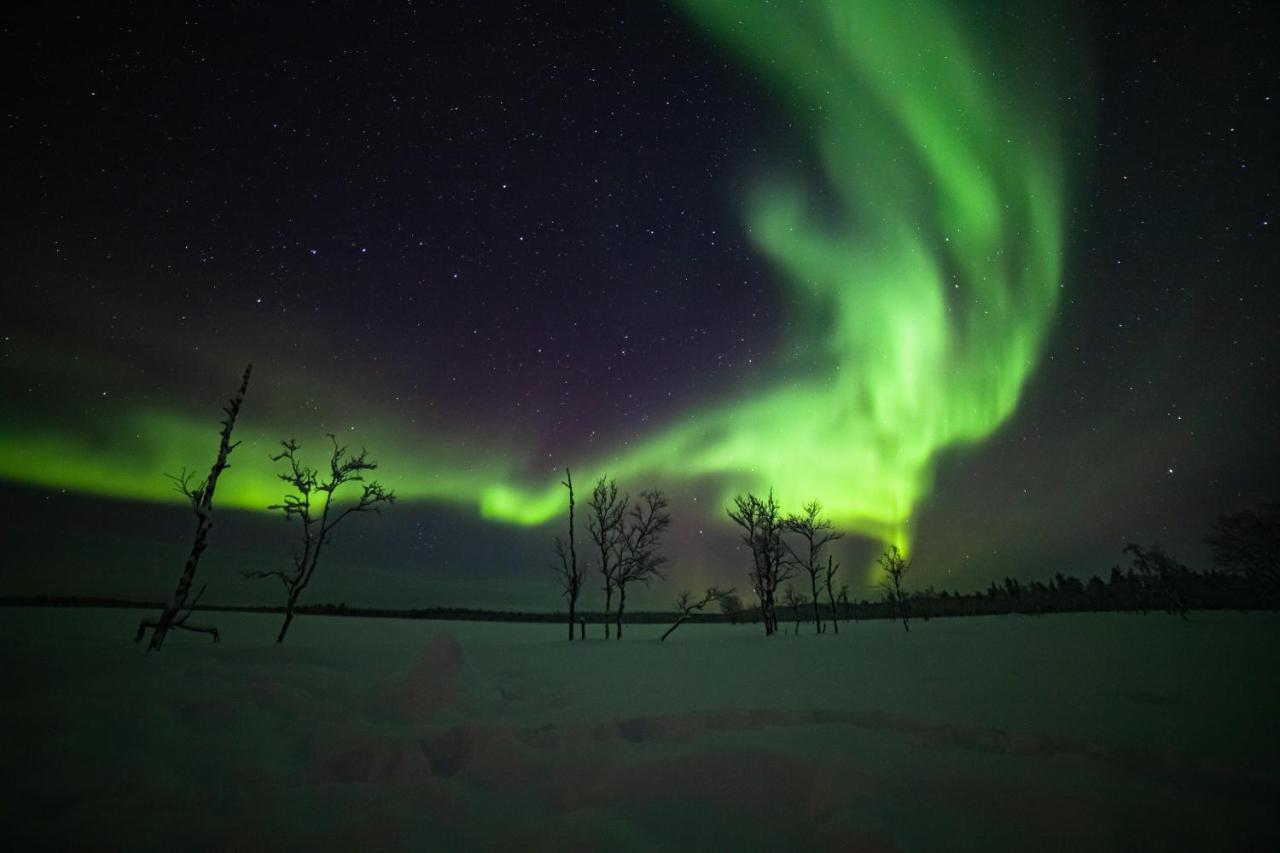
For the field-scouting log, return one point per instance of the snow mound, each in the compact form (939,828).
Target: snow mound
(434,682)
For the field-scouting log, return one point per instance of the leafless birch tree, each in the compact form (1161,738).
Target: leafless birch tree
(642,530)
(816,534)
(762,526)
(895,569)
(605,521)
(313,502)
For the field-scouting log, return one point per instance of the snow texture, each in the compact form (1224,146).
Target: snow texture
(1073,732)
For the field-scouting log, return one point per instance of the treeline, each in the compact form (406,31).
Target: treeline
(1122,592)
(1246,576)
(642,617)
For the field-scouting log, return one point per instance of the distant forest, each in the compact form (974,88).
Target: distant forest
(1123,591)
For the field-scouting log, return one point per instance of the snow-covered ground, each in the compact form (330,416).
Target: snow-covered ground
(1072,732)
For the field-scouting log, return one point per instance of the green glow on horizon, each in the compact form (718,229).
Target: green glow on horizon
(921,274)
(129,460)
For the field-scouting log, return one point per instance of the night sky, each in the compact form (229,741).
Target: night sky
(997,285)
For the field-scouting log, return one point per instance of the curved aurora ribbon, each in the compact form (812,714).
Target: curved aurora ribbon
(923,276)
(921,267)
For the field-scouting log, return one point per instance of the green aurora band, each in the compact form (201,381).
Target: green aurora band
(921,277)
(924,277)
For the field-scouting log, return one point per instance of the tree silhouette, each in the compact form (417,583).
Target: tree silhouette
(762,527)
(605,520)
(817,533)
(731,606)
(686,606)
(895,569)
(794,600)
(641,562)
(1162,574)
(1247,543)
(317,530)
(570,575)
(828,578)
(201,499)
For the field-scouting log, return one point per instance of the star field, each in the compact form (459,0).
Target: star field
(489,243)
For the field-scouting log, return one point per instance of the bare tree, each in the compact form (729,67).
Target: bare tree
(924,601)
(828,576)
(794,600)
(1247,543)
(605,522)
(317,530)
(731,606)
(1160,572)
(687,606)
(642,531)
(762,526)
(817,533)
(570,575)
(201,499)
(844,603)
(895,569)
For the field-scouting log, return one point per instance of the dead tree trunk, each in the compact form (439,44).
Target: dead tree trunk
(201,498)
(573,559)
(567,566)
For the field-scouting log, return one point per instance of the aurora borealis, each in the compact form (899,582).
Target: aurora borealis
(878,254)
(932,188)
